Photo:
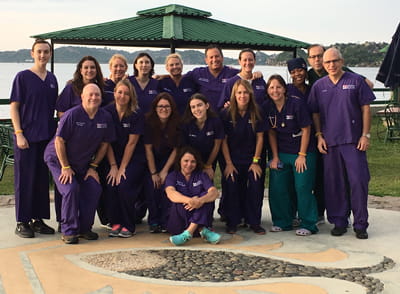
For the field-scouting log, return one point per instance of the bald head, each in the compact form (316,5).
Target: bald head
(333,62)
(91,96)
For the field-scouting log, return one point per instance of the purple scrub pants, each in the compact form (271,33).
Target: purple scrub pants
(243,198)
(180,218)
(121,199)
(79,201)
(346,178)
(157,202)
(31,183)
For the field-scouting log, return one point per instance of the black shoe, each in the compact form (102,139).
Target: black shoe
(70,239)
(259,230)
(231,230)
(361,233)
(90,235)
(24,230)
(38,226)
(338,231)
(154,229)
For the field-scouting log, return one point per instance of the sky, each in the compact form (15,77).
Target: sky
(311,21)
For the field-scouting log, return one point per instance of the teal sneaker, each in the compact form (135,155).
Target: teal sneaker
(180,239)
(210,236)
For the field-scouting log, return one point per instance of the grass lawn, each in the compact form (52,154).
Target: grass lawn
(383,159)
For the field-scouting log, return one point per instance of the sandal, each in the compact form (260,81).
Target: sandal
(276,229)
(303,232)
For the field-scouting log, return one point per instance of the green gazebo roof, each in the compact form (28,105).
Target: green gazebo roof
(172,26)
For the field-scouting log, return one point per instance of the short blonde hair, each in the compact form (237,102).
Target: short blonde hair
(118,56)
(173,55)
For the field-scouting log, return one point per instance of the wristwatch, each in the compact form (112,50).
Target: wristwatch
(368,135)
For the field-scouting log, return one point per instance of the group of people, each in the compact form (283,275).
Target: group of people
(127,144)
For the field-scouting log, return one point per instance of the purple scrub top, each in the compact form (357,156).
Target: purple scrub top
(67,99)
(132,124)
(164,148)
(211,86)
(37,99)
(82,135)
(294,92)
(259,87)
(288,123)
(146,96)
(241,137)
(198,184)
(203,140)
(181,93)
(339,107)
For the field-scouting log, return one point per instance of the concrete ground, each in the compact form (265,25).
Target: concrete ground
(45,264)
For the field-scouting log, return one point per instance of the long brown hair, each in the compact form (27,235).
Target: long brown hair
(154,122)
(77,80)
(252,107)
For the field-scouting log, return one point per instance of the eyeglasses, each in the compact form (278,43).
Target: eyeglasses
(315,56)
(332,61)
(163,107)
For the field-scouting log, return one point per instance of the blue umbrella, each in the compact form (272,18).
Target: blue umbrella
(389,72)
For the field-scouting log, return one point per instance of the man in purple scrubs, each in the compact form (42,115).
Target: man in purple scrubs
(81,141)
(212,78)
(33,97)
(342,118)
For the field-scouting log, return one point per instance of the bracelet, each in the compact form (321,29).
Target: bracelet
(256,159)
(302,153)
(18,131)
(208,166)
(66,167)
(92,164)
(318,134)
(154,173)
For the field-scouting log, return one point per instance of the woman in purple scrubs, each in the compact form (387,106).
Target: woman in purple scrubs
(161,140)
(289,134)
(126,158)
(192,194)
(203,130)
(176,84)
(118,67)
(145,86)
(87,71)
(244,135)
(33,97)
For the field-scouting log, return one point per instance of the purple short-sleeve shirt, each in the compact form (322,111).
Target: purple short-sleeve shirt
(211,86)
(145,96)
(339,107)
(197,185)
(37,99)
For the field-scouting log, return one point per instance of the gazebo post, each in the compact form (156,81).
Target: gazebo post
(172,47)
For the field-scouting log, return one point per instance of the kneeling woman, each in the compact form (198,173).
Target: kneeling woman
(192,194)
(289,137)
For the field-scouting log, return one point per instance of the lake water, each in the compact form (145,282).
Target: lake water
(64,72)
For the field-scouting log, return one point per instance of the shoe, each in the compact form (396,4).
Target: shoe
(59,227)
(338,231)
(89,235)
(107,226)
(210,236)
(164,230)
(361,233)
(243,225)
(73,239)
(154,229)
(180,239)
(115,230)
(125,233)
(303,232)
(38,226)
(231,230)
(24,230)
(275,229)
(321,220)
(259,230)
